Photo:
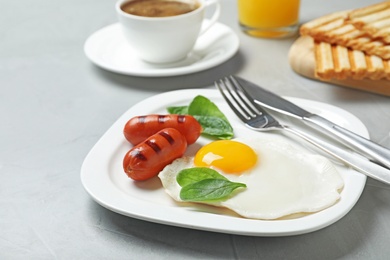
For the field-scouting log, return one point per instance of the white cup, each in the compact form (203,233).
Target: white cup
(165,39)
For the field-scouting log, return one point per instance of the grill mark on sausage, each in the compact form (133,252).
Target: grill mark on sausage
(142,119)
(162,119)
(154,146)
(181,119)
(139,155)
(167,137)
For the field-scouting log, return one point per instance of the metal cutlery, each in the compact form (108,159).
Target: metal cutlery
(356,142)
(258,119)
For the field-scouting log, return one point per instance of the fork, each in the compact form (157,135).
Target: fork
(258,119)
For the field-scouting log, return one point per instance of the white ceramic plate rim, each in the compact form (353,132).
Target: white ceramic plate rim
(96,50)
(99,181)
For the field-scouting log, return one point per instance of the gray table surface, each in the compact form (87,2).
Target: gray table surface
(55,104)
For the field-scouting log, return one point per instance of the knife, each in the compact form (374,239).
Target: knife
(371,150)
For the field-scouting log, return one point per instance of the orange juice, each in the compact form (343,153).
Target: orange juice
(269,18)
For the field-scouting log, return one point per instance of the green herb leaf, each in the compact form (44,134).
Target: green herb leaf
(215,126)
(192,175)
(201,105)
(212,120)
(209,190)
(204,184)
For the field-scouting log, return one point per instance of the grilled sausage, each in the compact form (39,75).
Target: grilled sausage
(148,158)
(139,128)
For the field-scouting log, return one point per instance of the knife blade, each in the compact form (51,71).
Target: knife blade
(359,144)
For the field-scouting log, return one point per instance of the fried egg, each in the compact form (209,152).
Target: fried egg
(281,179)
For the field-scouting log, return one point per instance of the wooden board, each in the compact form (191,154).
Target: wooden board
(301,58)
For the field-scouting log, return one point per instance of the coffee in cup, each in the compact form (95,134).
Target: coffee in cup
(158,8)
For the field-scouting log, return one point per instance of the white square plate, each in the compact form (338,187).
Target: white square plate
(104,179)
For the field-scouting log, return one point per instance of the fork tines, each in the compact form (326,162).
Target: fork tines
(237,98)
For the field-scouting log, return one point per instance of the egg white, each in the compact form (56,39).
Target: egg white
(285,180)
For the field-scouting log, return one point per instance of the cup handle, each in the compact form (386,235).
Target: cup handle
(215,16)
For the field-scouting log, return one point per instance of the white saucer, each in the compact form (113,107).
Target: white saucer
(107,48)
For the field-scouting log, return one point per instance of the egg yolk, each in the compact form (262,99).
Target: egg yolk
(229,156)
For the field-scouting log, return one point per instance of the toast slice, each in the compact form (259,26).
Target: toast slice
(346,28)
(373,20)
(338,62)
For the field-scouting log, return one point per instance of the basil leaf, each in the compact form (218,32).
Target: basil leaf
(192,175)
(180,110)
(215,126)
(204,184)
(212,120)
(209,190)
(201,105)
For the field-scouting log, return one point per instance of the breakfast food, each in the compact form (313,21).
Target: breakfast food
(138,128)
(261,178)
(339,62)
(373,20)
(148,158)
(159,8)
(336,28)
(229,156)
(278,181)
(213,121)
(159,139)
(352,44)
(270,19)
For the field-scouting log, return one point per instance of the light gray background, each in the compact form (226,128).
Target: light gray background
(55,105)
